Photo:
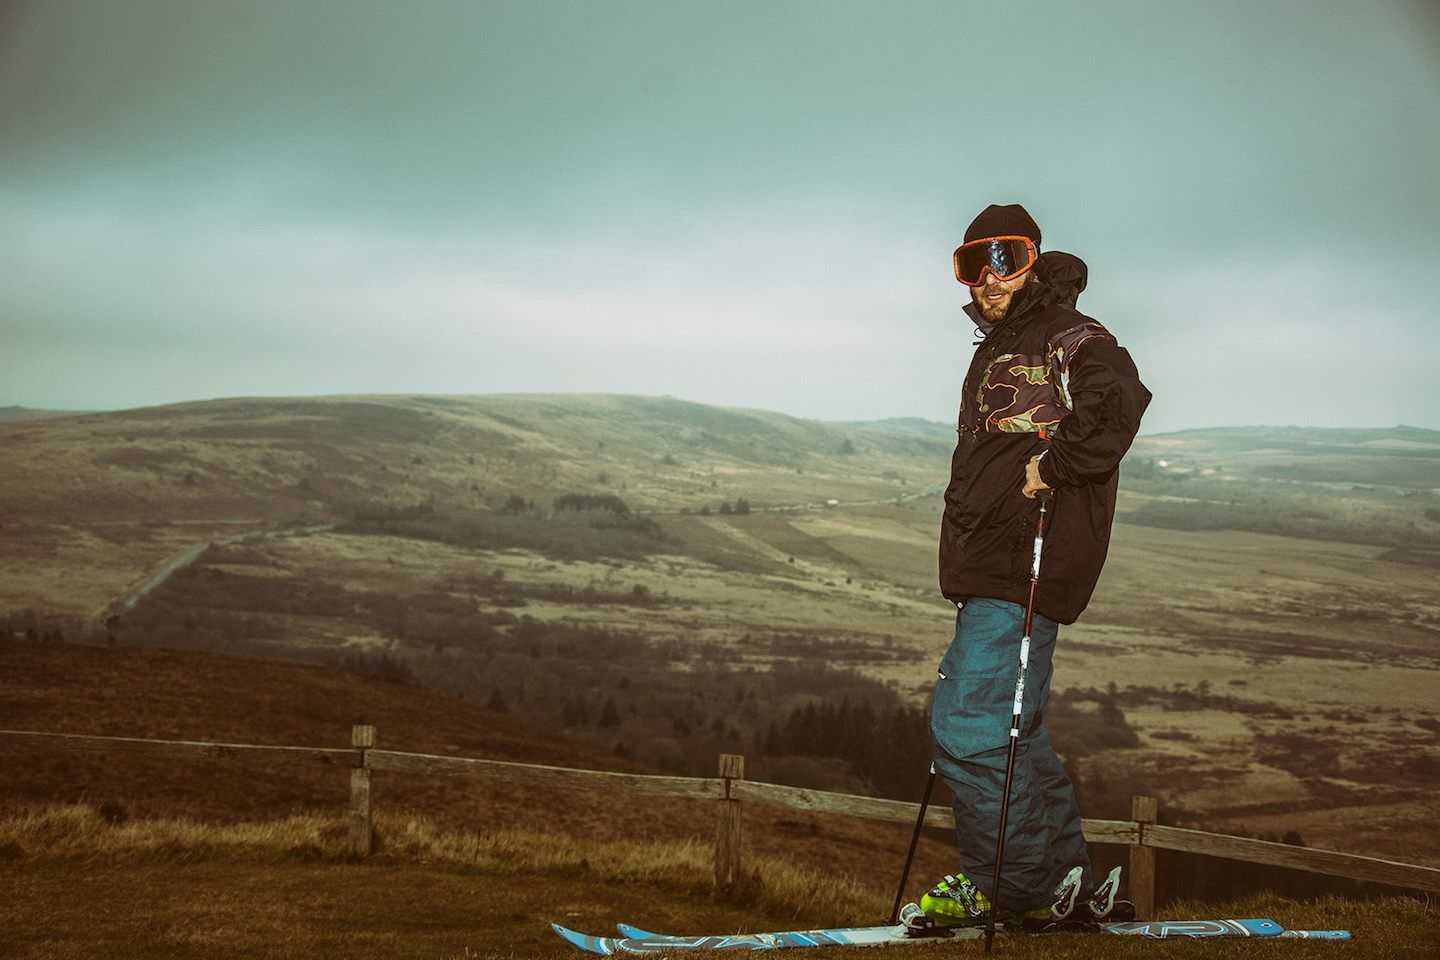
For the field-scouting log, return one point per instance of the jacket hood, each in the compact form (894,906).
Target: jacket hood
(1065,272)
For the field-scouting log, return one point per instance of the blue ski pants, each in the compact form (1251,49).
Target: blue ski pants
(970,735)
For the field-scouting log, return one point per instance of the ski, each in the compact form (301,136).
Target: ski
(833,937)
(1155,929)
(636,940)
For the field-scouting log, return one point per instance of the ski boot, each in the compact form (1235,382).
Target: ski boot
(956,902)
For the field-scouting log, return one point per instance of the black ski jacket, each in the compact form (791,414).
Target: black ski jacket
(1047,379)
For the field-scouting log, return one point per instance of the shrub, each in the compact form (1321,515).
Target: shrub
(378,665)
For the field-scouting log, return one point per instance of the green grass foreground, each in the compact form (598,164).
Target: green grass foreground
(74,885)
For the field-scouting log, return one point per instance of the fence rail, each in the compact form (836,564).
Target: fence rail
(537,775)
(261,755)
(1142,834)
(1274,854)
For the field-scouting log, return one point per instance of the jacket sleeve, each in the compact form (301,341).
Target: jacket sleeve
(1100,385)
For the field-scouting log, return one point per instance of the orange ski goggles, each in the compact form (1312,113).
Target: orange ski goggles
(1005,257)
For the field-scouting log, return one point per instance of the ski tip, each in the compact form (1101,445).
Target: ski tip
(583,940)
(630,932)
(1316,934)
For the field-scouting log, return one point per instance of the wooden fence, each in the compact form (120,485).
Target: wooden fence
(1142,834)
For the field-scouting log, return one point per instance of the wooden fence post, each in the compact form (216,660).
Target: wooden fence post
(1145,811)
(362,828)
(727,823)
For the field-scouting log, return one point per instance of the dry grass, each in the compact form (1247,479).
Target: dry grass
(77,886)
(72,831)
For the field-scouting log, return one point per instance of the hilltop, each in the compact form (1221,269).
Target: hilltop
(288,458)
(266,461)
(13,412)
(93,503)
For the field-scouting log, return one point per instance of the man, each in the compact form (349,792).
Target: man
(1050,405)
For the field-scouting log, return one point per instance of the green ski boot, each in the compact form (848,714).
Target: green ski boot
(954,902)
(957,902)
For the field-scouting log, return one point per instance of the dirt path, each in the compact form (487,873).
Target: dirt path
(191,554)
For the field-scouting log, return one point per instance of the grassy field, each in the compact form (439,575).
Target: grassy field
(77,886)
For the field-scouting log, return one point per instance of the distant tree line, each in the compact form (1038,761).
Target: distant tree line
(578,526)
(583,502)
(886,745)
(31,626)
(740,507)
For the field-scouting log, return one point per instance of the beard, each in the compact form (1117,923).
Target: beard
(994,311)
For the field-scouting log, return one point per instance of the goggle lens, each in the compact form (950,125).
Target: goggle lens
(1006,257)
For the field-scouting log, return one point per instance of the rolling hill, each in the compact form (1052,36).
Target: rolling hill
(90,504)
(280,459)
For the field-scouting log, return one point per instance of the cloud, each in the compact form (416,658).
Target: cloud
(1268,336)
(269,306)
(744,204)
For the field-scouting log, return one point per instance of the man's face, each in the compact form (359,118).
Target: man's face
(994,297)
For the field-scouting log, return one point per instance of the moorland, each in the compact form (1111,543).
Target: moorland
(661,581)
(134,855)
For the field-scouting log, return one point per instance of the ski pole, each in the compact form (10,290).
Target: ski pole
(1015,718)
(914,839)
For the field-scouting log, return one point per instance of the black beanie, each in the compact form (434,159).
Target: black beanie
(1010,220)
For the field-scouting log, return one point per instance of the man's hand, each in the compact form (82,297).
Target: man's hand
(1033,483)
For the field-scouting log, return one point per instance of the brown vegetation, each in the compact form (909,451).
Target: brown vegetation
(1271,684)
(85,887)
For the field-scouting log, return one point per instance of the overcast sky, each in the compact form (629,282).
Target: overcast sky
(749,204)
